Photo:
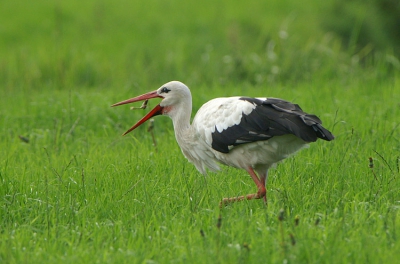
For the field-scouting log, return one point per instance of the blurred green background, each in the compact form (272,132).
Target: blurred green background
(61,44)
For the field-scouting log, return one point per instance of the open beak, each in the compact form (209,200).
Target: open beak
(156,110)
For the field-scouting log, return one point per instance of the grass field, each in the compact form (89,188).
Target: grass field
(74,191)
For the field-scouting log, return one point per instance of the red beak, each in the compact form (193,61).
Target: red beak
(156,110)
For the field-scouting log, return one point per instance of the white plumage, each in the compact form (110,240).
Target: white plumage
(248,133)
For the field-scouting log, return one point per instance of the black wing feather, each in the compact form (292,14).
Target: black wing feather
(271,117)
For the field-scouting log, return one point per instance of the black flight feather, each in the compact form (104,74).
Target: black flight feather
(271,117)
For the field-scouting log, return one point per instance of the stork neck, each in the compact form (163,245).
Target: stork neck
(181,122)
(181,118)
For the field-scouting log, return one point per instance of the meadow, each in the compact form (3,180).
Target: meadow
(73,190)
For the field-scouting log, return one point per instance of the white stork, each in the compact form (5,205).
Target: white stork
(247,133)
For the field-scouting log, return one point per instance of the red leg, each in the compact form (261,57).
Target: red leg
(261,192)
(263,178)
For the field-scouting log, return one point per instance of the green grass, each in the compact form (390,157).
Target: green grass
(78,192)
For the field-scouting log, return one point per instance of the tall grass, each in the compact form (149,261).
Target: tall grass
(74,190)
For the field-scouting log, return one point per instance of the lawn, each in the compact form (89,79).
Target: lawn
(73,190)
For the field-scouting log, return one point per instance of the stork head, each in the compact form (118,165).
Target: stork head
(173,95)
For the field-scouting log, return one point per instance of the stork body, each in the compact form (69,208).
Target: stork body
(246,133)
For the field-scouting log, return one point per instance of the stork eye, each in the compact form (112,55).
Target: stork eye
(165,90)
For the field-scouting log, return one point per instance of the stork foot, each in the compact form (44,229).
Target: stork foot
(261,193)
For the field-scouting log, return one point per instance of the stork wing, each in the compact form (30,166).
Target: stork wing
(227,122)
